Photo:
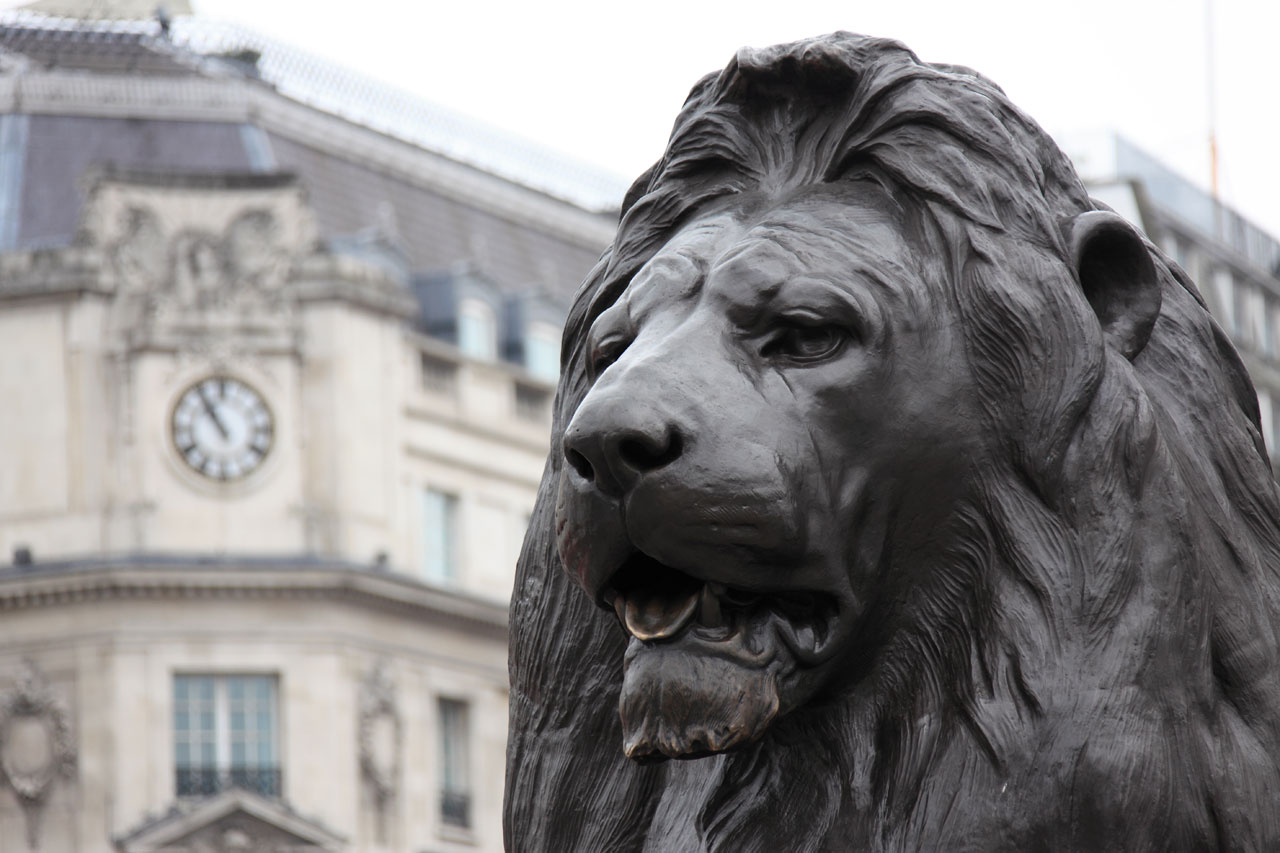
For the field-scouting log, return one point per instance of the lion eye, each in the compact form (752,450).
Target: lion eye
(604,354)
(806,343)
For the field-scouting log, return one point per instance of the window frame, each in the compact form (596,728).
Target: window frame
(451,574)
(1267,418)
(1224,288)
(265,778)
(542,351)
(483,347)
(464,795)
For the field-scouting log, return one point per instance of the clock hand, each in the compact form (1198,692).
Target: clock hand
(213,412)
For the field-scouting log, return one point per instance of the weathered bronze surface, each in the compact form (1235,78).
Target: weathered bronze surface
(909,492)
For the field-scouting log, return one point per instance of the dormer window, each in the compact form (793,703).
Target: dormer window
(542,351)
(532,333)
(477,330)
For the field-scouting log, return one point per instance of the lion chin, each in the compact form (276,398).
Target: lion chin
(707,666)
(679,702)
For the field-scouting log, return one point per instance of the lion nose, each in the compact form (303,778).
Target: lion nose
(613,442)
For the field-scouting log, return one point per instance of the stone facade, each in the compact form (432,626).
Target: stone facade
(262,523)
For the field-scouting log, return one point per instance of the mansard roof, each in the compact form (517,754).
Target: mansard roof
(97,49)
(75,97)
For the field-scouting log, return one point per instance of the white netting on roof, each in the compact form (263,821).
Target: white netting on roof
(386,108)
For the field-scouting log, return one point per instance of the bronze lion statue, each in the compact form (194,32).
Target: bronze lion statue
(909,496)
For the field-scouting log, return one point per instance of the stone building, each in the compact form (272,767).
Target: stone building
(1235,263)
(277,351)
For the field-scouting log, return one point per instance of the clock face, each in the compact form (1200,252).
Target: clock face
(222,428)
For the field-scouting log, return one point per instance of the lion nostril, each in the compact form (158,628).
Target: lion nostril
(645,455)
(580,464)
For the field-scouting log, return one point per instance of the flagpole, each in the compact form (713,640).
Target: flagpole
(1212,105)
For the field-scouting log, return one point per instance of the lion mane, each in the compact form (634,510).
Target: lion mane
(1096,668)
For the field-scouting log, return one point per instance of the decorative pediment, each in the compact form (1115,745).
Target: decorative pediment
(235,821)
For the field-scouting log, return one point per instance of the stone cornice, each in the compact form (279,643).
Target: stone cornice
(53,272)
(157,578)
(321,277)
(62,92)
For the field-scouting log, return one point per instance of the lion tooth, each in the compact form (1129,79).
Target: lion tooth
(655,617)
(709,614)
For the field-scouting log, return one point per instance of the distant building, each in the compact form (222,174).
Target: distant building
(277,353)
(1235,263)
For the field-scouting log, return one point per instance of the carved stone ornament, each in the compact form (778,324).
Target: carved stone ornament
(184,243)
(906,494)
(36,746)
(380,734)
(141,255)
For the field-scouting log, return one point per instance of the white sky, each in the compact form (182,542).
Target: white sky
(603,81)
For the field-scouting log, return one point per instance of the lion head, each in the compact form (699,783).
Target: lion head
(778,407)
(891,466)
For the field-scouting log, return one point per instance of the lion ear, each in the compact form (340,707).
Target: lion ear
(1118,278)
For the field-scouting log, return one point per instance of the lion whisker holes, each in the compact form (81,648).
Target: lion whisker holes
(580,464)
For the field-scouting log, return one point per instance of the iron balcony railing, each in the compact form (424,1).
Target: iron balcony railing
(206,781)
(455,808)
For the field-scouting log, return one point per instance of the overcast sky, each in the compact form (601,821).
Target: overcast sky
(602,81)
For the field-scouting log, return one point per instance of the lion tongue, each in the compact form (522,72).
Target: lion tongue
(654,615)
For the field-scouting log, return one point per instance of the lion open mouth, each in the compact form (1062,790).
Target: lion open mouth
(708,663)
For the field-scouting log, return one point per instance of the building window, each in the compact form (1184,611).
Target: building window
(439,537)
(455,757)
(542,352)
(1251,307)
(1269,430)
(225,733)
(1265,306)
(532,403)
(1176,249)
(1266,415)
(1244,318)
(477,330)
(1273,322)
(1224,289)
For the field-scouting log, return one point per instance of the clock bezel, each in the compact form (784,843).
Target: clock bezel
(185,466)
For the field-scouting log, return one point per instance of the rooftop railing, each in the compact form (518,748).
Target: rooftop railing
(1175,193)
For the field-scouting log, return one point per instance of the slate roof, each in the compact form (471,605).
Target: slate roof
(61,150)
(402,114)
(98,49)
(439,232)
(44,159)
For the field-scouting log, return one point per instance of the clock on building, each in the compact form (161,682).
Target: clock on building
(222,428)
